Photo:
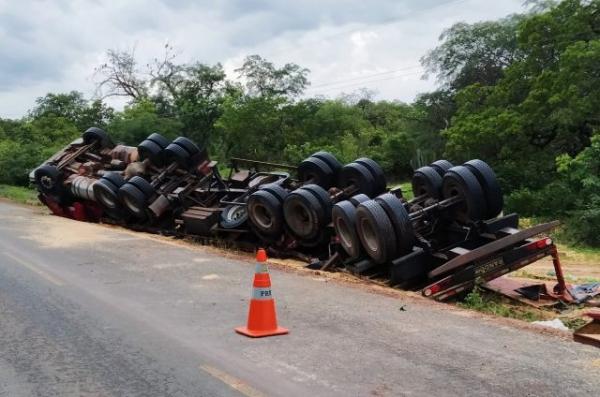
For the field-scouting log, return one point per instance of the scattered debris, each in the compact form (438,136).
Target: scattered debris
(556,324)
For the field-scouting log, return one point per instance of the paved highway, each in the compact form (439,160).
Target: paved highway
(88,310)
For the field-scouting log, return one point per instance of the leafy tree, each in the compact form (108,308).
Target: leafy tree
(264,79)
(73,107)
(139,120)
(474,53)
(546,103)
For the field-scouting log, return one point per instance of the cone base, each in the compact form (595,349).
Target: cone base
(260,334)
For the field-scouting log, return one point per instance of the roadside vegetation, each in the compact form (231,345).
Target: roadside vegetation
(522,93)
(490,303)
(19,194)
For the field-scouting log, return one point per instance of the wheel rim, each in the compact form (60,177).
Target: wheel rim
(132,205)
(47,182)
(236,213)
(344,233)
(300,219)
(262,216)
(107,200)
(369,235)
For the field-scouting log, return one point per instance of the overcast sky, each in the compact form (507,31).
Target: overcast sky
(54,46)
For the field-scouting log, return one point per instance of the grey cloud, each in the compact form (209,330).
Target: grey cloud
(56,45)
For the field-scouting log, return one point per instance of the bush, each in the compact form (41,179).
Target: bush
(554,200)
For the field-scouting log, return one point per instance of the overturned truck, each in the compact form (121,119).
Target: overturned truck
(448,237)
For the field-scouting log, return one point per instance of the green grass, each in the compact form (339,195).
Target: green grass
(19,194)
(486,302)
(405,186)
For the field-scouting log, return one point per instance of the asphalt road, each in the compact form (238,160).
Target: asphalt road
(87,310)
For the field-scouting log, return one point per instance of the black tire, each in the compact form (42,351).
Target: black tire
(187,144)
(316,171)
(376,171)
(148,149)
(107,194)
(143,185)
(93,134)
(114,177)
(177,154)
(359,176)
(276,190)
(265,213)
(233,216)
(331,161)
(427,181)
(405,235)
(304,214)
(324,199)
(49,179)
(134,200)
(159,140)
(441,166)
(491,188)
(359,198)
(375,231)
(344,222)
(460,181)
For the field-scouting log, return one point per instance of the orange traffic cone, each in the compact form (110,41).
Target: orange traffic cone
(262,319)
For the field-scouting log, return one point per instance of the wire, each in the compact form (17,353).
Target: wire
(367,76)
(365,82)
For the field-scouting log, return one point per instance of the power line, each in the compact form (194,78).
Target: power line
(365,82)
(367,76)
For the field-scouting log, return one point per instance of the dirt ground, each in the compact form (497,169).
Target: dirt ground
(578,267)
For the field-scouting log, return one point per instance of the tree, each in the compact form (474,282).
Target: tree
(120,76)
(139,120)
(193,94)
(262,78)
(545,104)
(73,107)
(474,53)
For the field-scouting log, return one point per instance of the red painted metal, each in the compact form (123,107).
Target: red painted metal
(589,333)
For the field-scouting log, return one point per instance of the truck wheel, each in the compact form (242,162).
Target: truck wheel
(276,190)
(375,231)
(303,214)
(134,200)
(233,216)
(331,161)
(360,177)
(265,213)
(460,181)
(113,177)
(159,140)
(49,179)
(177,154)
(106,194)
(93,134)
(324,199)
(441,166)
(376,171)
(427,181)
(405,235)
(148,149)
(187,144)
(143,185)
(316,171)
(491,188)
(359,198)
(344,222)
